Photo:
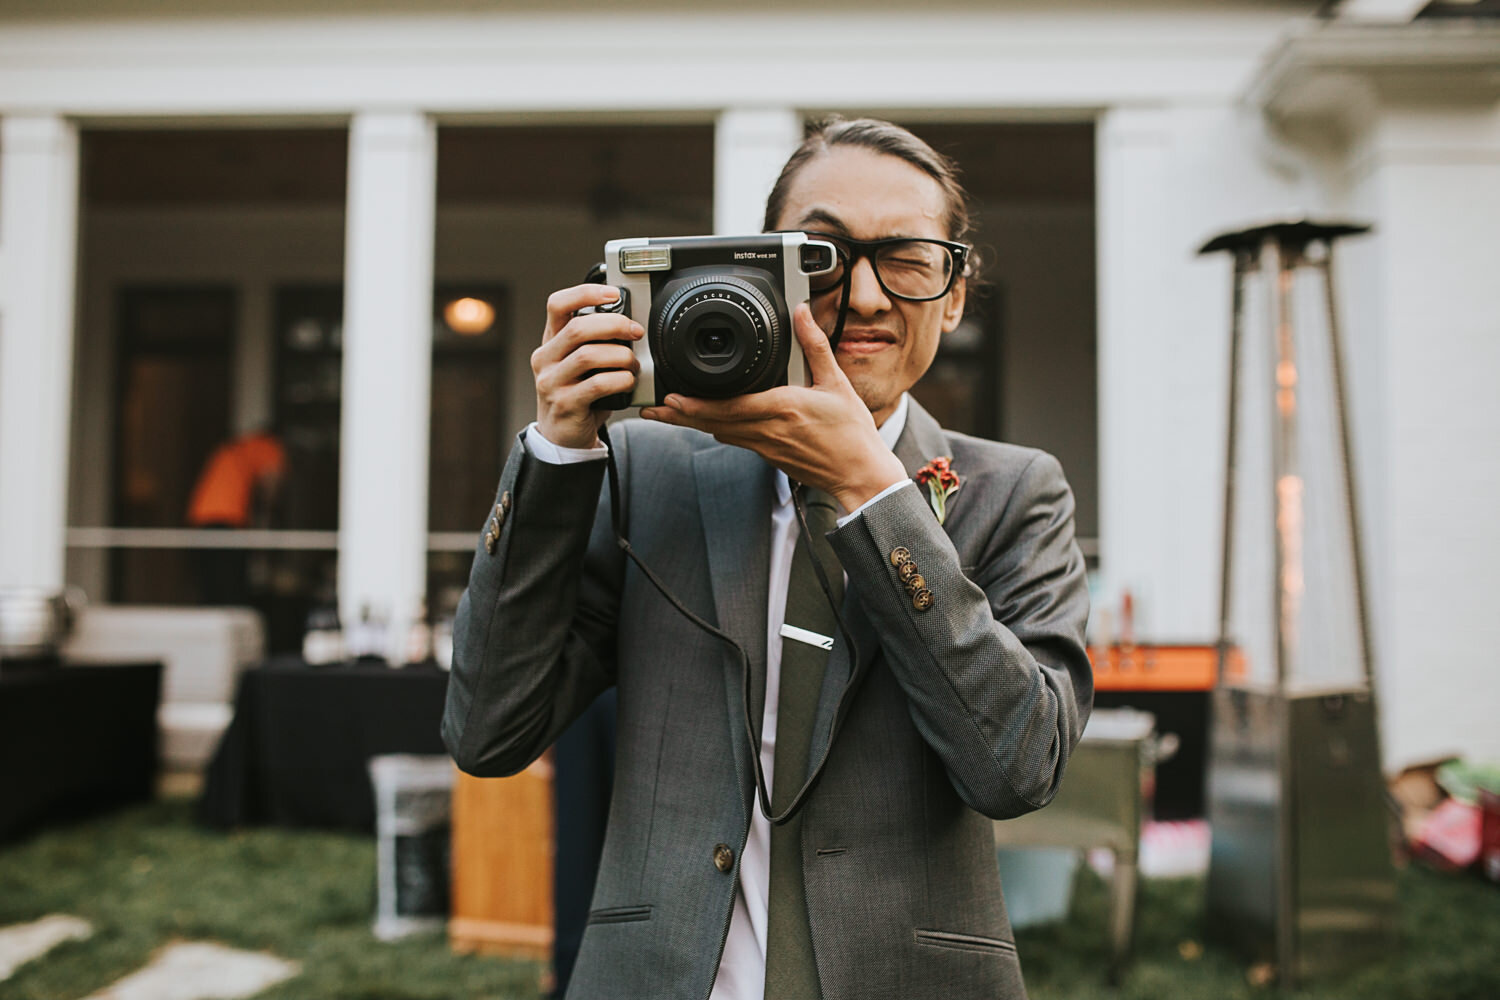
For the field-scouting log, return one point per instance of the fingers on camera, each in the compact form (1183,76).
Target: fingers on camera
(607,382)
(581,333)
(579,366)
(584,331)
(562,304)
(600,355)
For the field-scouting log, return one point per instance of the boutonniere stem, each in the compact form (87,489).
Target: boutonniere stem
(941,482)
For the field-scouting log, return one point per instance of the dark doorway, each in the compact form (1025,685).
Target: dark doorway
(172,410)
(469,402)
(184,237)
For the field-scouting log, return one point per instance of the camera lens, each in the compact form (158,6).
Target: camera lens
(714,339)
(715,342)
(717,334)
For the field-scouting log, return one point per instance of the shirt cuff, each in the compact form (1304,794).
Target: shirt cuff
(555,454)
(870,502)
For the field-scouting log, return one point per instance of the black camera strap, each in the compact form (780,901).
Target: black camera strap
(838,325)
(752,732)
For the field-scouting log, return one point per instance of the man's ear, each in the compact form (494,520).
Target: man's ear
(953,305)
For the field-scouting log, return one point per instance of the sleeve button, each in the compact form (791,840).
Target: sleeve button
(922,600)
(900,554)
(917,585)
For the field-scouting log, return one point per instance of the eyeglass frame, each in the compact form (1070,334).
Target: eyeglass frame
(867,248)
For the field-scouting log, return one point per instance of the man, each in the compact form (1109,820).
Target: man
(971,683)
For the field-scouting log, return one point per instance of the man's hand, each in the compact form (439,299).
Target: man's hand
(573,346)
(821,435)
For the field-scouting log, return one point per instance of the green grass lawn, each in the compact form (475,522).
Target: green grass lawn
(148,876)
(1449,948)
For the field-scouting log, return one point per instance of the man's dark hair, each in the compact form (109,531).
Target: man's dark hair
(879,137)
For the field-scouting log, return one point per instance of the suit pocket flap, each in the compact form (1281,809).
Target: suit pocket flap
(619,914)
(964,942)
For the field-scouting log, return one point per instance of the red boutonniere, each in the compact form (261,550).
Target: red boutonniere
(942,482)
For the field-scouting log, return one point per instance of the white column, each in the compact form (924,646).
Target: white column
(1167,179)
(38,265)
(1133,171)
(1424,343)
(387,368)
(750,146)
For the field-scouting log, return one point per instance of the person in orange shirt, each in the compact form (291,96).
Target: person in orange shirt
(238,488)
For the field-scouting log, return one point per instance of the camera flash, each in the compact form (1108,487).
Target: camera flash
(634,259)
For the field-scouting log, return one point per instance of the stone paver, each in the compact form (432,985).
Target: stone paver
(20,943)
(200,970)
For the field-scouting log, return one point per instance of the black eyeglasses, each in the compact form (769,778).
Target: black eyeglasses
(908,267)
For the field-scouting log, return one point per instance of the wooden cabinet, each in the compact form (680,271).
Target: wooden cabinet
(502,863)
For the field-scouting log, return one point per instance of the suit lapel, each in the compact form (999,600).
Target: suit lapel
(734,500)
(921,440)
(735,493)
(836,676)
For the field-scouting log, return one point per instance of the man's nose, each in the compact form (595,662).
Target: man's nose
(866,297)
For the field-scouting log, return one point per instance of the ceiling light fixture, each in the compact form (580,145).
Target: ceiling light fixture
(469,317)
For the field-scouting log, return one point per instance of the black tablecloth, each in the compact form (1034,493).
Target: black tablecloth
(74,740)
(297,751)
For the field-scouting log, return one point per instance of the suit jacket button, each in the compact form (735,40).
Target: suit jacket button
(505,501)
(900,554)
(922,600)
(906,571)
(723,857)
(917,585)
(491,542)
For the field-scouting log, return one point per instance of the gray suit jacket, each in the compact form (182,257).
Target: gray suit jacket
(964,711)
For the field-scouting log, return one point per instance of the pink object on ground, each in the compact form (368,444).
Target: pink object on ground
(1449,836)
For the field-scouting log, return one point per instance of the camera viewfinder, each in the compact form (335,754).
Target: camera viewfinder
(816,257)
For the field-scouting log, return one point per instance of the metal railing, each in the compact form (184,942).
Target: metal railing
(240,538)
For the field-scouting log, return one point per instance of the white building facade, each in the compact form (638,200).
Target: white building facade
(1205,116)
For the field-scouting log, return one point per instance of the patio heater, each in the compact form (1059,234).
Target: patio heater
(1300,873)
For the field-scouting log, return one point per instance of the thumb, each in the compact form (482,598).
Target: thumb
(821,363)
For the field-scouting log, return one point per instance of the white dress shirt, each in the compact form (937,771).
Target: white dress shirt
(742,968)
